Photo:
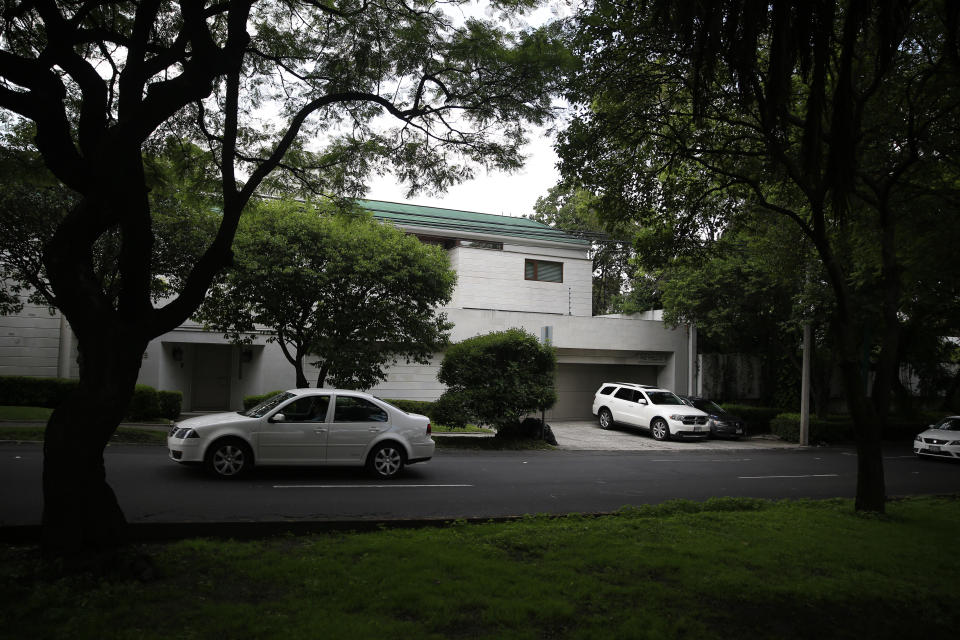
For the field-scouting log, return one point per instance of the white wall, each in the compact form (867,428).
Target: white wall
(30,343)
(494,279)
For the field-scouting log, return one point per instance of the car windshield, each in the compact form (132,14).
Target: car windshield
(948,424)
(709,406)
(664,397)
(267,405)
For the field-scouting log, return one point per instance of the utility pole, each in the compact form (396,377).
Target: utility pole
(805,387)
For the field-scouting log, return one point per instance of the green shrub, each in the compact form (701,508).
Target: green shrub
(834,429)
(422,407)
(249,402)
(23,391)
(757,419)
(502,376)
(171,403)
(451,410)
(144,405)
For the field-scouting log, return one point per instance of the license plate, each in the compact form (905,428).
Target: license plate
(934,448)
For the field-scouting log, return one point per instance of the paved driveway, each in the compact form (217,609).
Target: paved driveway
(586,435)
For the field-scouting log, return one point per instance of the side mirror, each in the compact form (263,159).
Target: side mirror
(641,401)
(278,417)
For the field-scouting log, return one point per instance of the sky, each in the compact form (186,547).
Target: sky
(496,192)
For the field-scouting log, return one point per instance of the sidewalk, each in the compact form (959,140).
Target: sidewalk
(586,435)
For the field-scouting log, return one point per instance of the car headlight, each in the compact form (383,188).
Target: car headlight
(184,433)
(917,438)
(677,417)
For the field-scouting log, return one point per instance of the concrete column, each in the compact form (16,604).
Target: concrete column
(66,348)
(691,359)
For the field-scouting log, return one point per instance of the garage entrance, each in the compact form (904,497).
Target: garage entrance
(576,384)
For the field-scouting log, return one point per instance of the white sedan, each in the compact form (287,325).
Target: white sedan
(941,439)
(305,427)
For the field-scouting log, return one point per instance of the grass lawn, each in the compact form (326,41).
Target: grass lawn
(25,413)
(727,568)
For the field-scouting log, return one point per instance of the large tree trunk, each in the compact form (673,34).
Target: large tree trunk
(82,521)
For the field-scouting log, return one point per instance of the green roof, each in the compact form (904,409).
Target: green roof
(450,222)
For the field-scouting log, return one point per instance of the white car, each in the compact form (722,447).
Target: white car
(660,411)
(305,427)
(941,439)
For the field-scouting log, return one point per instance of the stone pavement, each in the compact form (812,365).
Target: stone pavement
(586,435)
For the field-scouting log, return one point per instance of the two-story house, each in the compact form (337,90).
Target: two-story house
(512,272)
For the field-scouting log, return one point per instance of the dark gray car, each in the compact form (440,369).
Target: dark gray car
(723,424)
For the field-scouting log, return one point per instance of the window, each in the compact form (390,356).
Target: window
(628,394)
(350,409)
(543,271)
(607,391)
(481,244)
(307,409)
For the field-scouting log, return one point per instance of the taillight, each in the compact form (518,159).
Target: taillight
(429,429)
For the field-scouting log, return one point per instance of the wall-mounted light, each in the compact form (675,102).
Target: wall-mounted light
(177,353)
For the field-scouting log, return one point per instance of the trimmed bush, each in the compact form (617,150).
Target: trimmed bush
(249,402)
(171,403)
(422,407)
(144,405)
(836,429)
(23,391)
(451,410)
(501,376)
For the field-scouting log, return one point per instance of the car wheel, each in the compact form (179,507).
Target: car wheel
(606,418)
(659,429)
(229,458)
(386,460)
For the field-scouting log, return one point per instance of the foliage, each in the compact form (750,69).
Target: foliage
(354,293)
(170,404)
(421,407)
(144,404)
(257,95)
(147,403)
(501,376)
(631,574)
(250,402)
(575,212)
(838,118)
(451,409)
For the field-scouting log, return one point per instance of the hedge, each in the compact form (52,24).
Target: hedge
(249,402)
(841,429)
(422,407)
(146,404)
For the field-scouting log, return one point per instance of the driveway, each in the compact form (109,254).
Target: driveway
(586,435)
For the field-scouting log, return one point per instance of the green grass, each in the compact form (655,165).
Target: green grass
(25,413)
(727,568)
(470,428)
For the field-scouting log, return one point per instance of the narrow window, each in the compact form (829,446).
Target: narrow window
(543,271)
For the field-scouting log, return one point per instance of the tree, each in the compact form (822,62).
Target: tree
(831,116)
(355,293)
(500,377)
(575,212)
(277,93)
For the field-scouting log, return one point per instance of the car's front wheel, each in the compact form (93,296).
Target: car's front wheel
(386,460)
(606,418)
(229,458)
(659,429)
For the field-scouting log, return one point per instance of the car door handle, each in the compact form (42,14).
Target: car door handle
(319,431)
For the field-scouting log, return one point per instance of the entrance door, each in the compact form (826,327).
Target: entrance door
(211,377)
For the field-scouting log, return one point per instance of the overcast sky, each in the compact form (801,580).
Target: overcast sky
(500,193)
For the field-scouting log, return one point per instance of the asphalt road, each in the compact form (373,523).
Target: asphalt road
(458,484)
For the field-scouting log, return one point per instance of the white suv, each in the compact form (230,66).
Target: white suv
(648,407)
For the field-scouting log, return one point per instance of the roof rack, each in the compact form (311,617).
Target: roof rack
(639,386)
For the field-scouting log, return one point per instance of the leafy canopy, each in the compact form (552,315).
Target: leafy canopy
(499,377)
(339,290)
